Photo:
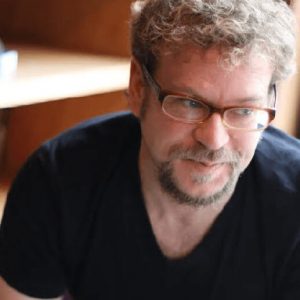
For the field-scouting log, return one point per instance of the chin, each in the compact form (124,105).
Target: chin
(197,188)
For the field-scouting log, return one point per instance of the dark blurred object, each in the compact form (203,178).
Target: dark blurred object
(2,48)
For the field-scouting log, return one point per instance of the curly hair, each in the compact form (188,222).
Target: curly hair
(237,28)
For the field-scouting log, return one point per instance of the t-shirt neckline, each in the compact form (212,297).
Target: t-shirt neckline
(211,242)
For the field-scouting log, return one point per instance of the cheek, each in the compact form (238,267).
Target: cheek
(160,134)
(245,144)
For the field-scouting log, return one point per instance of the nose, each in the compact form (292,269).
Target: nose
(212,133)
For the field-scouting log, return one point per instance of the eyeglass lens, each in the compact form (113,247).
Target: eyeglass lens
(190,110)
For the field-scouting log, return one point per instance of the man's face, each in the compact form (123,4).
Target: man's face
(199,164)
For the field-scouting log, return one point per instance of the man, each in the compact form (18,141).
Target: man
(192,196)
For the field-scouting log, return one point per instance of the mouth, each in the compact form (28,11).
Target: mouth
(208,164)
(204,166)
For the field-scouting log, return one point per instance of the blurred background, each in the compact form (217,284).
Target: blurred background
(47,34)
(93,27)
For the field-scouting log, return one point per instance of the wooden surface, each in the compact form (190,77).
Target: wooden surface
(46,74)
(29,126)
(94,26)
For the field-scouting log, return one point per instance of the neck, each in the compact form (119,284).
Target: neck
(178,228)
(163,205)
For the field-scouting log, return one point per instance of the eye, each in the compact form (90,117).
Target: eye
(244,112)
(190,103)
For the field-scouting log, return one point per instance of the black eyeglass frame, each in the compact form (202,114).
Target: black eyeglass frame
(162,94)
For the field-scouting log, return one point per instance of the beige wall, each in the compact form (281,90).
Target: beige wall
(288,116)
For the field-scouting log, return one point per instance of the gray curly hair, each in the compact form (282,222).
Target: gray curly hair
(237,27)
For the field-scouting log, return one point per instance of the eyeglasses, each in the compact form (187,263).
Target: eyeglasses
(185,109)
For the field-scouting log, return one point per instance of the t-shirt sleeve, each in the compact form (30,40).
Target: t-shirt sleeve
(30,256)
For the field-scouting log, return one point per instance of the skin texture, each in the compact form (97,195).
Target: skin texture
(187,169)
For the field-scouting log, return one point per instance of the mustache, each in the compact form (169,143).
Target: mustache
(200,153)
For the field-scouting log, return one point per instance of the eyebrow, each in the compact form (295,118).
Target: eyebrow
(189,92)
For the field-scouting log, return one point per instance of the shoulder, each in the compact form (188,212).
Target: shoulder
(57,198)
(276,166)
(65,181)
(280,143)
(275,201)
(114,127)
(277,159)
(90,149)
(276,194)
(276,188)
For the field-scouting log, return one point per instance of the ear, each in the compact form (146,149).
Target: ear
(136,89)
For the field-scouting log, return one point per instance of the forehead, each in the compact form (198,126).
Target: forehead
(204,70)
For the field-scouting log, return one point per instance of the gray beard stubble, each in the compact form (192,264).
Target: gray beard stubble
(199,153)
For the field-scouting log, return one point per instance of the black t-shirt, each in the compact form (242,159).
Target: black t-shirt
(75,220)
